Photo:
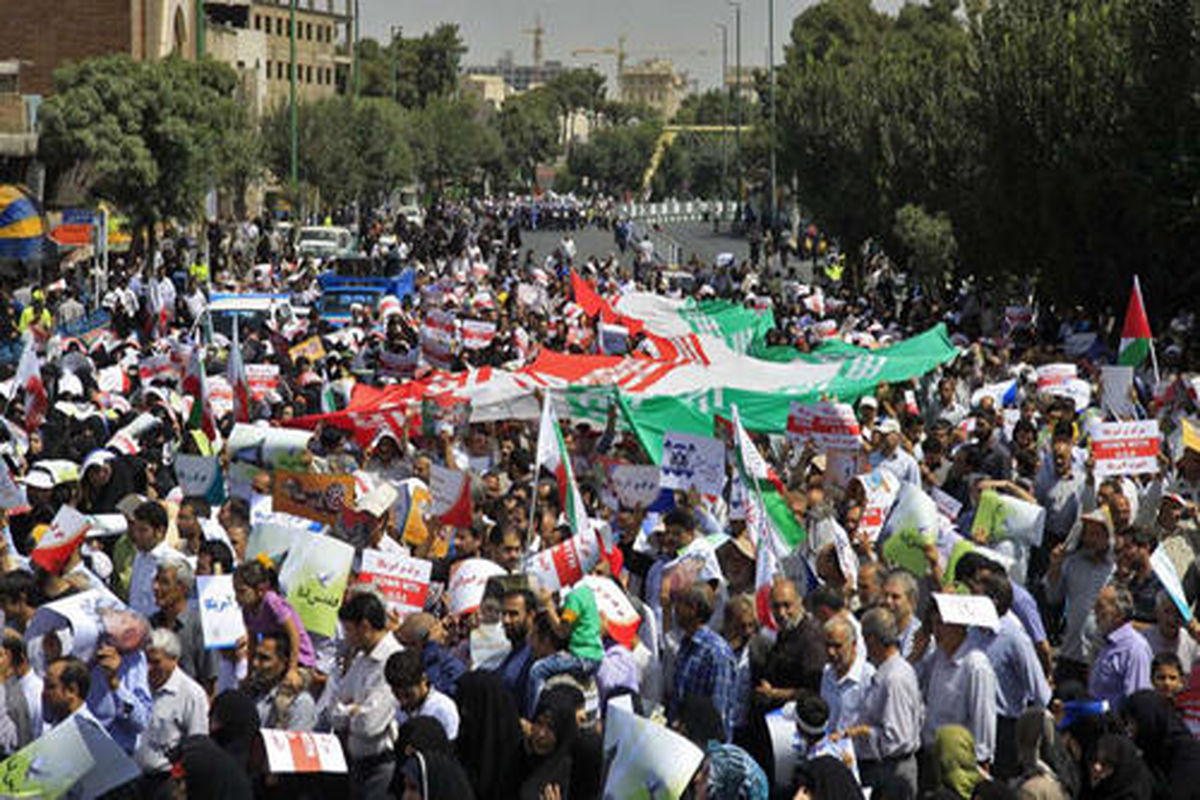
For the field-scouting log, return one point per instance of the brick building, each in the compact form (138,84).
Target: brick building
(82,29)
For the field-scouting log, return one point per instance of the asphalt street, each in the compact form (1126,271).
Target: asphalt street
(693,237)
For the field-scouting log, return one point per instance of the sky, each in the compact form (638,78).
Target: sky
(684,30)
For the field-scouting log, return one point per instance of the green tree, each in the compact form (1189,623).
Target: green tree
(928,243)
(152,138)
(413,70)
(528,127)
(452,147)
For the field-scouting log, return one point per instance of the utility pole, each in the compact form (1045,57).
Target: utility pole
(357,65)
(394,47)
(201,24)
(724,121)
(771,80)
(737,88)
(294,69)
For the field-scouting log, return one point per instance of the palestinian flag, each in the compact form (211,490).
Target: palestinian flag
(195,385)
(29,378)
(775,529)
(552,454)
(1135,333)
(236,375)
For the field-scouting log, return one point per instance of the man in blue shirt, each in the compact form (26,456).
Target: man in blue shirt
(705,664)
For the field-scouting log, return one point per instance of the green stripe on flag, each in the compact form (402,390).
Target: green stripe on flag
(1133,352)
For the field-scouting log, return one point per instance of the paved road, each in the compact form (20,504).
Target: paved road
(694,237)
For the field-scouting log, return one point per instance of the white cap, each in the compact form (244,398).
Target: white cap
(888,425)
(868,400)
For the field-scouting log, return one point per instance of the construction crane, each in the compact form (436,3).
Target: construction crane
(622,54)
(537,32)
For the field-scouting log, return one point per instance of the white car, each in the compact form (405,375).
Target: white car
(325,242)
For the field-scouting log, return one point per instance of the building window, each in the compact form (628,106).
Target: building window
(308,31)
(258,22)
(279,26)
(308,75)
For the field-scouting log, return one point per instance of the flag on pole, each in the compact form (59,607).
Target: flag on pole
(768,517)
(1135,333)
(195,385)
(29,378)
(552,454)
(236,374)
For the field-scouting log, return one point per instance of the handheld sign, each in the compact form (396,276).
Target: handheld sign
(220,615)
(1126,448)
(693,462)
(403,581)
(1165,571)
(967,609)
(302,751)
(315,576)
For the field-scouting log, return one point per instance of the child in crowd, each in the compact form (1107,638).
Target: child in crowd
(265,611)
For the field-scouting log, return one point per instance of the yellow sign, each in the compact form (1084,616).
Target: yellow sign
(312,349)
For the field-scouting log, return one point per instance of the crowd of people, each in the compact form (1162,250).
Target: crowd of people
(830,667)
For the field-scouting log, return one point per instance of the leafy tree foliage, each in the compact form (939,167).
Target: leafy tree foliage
(413,70)
(152,138)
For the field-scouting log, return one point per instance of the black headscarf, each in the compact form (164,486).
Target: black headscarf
(1165,742)
(826,778)
(234,724)
(489,735)
(1130,779)
(557,705)
(700,720)
(437,775)
(210,771)
(424,734)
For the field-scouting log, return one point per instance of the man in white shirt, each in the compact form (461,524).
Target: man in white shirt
(847,675)
(180,706)
(414,695)
(147,531)
(894,458)
(366,711)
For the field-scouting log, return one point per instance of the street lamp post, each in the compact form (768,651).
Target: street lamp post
(294,112)
(395,29)
(737,88)
(771,80)
(724,122)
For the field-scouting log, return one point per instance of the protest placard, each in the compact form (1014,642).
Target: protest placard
(220,395)
(445,410)
(910,528)
(561,566)
(59,541)
(310,348)
(156,368)
(1116,390)
(1001,516)
(880,489)
(403,581)
(1126,448)
(634,484)
(948,506)
(450,490)
(79,614)
(314,577)
(302,751)
(220,615)
(645,760)
(468,580)
(48,766)
(263,378)
(313,496)
(967,609)
(112,379)
(692,462)
(274,539)
(827,425)
(1049,375)
(198,476)
(618,615)
(477,334)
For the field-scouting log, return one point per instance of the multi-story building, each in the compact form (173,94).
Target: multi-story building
(323,52)
(44,36)
(654,83)
(521,77)
(489,89)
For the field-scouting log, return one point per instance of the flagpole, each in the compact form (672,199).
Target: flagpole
(537,471)
(1153,356)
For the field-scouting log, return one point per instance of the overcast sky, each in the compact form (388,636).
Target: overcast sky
(682,27)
